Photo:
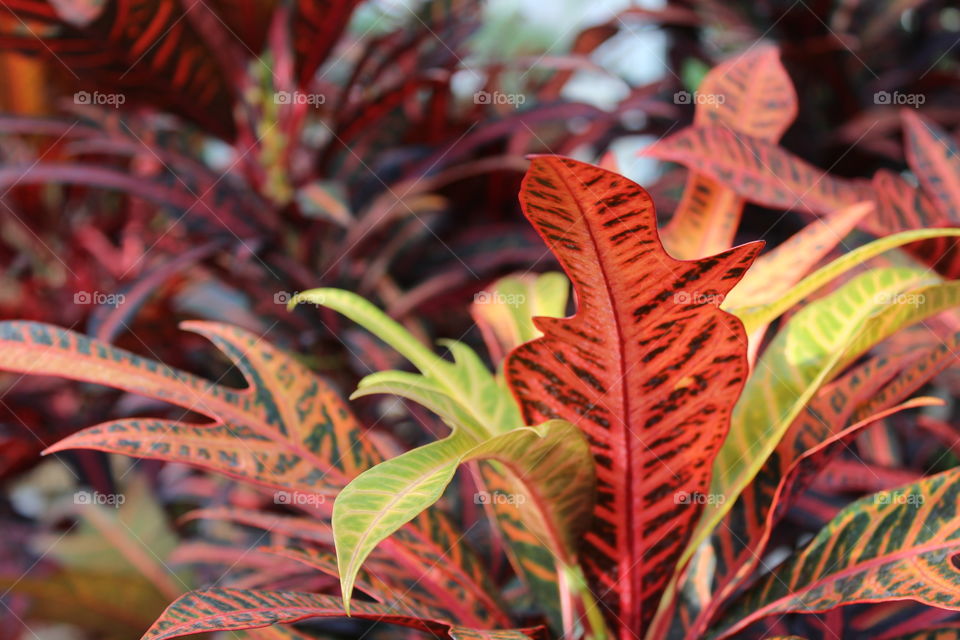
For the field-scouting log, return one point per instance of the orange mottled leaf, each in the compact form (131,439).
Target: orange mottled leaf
(752,94)
(933,156)
(816,437)
(648,367)
(893,545)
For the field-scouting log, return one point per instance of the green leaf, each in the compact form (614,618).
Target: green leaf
(476,400)
(505,314)
(505,311)
(759,316)
(552,461)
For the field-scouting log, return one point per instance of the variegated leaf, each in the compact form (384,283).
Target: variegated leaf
(648,368)
(758,171)
(551,462)
(751,94)
(895,544)
(233,609)
(287,430)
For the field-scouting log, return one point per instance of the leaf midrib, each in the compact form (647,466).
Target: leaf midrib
(628,516)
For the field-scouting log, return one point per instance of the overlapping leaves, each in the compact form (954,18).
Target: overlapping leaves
(551,459)
(287,430)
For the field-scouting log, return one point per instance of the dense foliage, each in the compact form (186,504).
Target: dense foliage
(678,436)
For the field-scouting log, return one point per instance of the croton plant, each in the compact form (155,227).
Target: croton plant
(636,458)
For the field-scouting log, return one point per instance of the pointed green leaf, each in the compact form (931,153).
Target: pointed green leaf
(754,317)
(483,406)
(552,462)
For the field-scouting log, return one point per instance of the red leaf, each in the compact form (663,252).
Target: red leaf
(235,609)
(933,156)
(648,367)
(758,171)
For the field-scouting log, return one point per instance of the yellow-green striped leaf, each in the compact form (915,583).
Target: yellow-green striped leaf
(552,461)
(754,317)
(475,400)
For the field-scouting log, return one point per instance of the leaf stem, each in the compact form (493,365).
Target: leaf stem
(573,587)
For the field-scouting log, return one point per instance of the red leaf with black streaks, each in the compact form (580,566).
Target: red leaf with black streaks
(316,28)
(935,159)
(141,49)
(758,171)
(903,207)
(648,367)
(235,609)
